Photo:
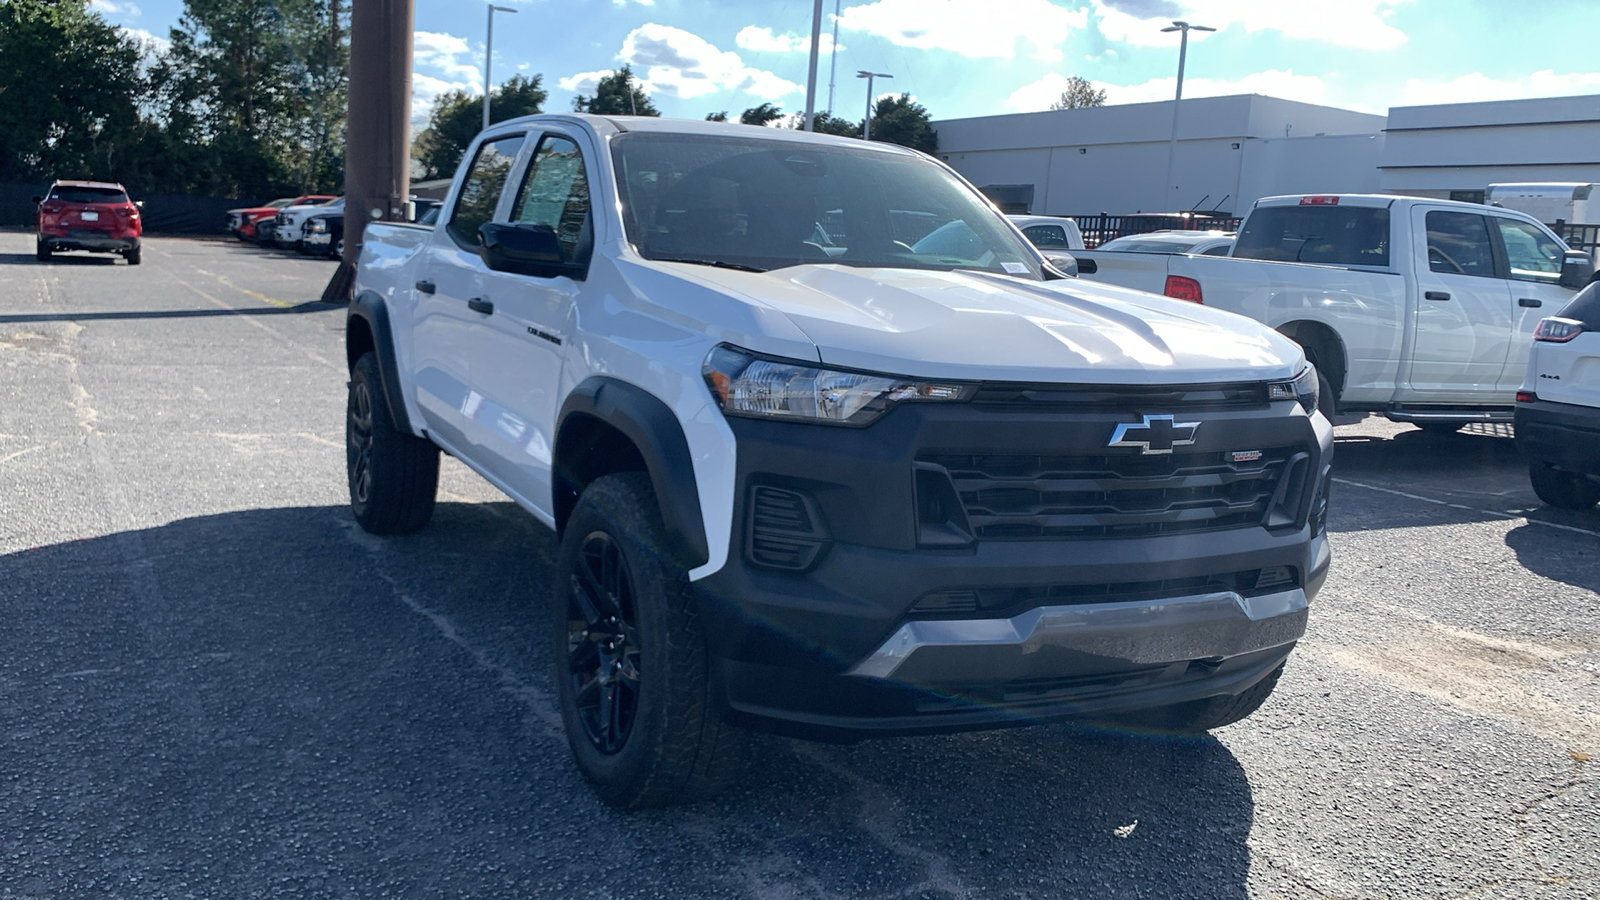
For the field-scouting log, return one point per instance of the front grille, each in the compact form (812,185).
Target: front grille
(1123,495)
(1186,398)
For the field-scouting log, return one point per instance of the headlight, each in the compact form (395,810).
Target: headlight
(746,385)
(316,226)
(1303,388)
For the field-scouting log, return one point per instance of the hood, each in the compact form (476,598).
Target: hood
(977,326)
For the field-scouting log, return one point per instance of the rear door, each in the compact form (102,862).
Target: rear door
(1461,320)
(1532,267)
(450,330)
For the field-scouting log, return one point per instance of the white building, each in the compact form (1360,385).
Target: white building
(1232,151)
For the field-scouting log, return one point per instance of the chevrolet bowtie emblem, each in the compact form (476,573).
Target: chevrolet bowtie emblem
(1156,434)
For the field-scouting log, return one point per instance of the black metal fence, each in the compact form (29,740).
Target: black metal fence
(1098,229)
(162,214)
(1580,237)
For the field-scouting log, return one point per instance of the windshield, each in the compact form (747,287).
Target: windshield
(764,204)
(66,194)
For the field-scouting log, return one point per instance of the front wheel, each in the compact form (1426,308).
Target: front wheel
(394,477)
(632,668)
(1561,489)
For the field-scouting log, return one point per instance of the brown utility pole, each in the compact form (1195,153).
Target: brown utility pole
(377,161)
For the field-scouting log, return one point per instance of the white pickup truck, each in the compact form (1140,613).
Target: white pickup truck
(814,479)
(1422,310)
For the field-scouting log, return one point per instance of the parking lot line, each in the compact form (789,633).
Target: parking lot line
(1487,512)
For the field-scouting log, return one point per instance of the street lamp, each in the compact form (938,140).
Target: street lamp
(866,124)
(1172,146)
(488,57)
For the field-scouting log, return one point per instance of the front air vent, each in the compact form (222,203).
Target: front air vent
(785,530)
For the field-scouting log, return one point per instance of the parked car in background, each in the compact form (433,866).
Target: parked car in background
(236,217)
(1558,407)
(96,216)
(251,219)
(324,235)
(291,220)
(1050,232)
(1200,243)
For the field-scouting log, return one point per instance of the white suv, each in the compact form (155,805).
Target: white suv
(1558,408)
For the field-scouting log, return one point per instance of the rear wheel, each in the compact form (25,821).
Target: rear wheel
(1328,380)
(632,668)
(133,256)
(394,477)
(41,251)
(1565,490)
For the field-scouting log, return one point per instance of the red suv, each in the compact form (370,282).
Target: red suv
(88,215)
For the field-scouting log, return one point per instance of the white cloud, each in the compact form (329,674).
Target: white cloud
(443,54)
(677,63)
(640,2)
(762,40)
(115,8)
(977,29)
(1358,24)
(584,82)
(1478,87)
(149,40)
(424,89)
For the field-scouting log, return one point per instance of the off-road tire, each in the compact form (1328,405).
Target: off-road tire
(394,477)
(133,256)
(41,251)
(1564,490)
(672,746)
(1199,716)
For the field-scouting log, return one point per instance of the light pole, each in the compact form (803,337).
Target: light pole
(866,124)
(811,74)
(488,57)
(1172,146)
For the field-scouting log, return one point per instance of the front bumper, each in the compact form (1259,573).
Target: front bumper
(1563,435)
(318,240)
(884,634)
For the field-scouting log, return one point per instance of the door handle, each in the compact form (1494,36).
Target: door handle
(1435,295)
(1529,303)
(425,286)
(480,305)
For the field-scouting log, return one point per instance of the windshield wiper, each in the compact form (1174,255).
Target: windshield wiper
(714,263)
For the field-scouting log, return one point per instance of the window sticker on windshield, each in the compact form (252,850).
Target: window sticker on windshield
(1015,268)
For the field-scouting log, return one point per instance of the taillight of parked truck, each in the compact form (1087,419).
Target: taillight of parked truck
(1557,330)
(1181,288)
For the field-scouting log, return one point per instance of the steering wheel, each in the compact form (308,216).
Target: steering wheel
(1435,254)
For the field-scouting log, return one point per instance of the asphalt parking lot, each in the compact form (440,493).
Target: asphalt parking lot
(214,685)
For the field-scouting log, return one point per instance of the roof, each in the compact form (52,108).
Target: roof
(611,125)
(99,184)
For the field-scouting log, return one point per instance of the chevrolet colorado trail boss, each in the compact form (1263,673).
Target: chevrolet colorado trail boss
(1421,310)
(809,479)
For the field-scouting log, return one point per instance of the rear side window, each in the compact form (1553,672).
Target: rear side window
(555,192)
(1458,244)
(1585,307)
(1533,255)
(480,193)
(1047,237)
(65,194)
(1330,235)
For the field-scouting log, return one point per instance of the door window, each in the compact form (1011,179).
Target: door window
(1047,236)
(1533,255)
(555,192)
(1458,244)
(481,191)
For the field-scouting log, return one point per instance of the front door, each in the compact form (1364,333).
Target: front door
(1461,316)
(1533,270)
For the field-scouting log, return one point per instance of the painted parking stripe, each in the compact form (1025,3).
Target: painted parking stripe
(1486,512)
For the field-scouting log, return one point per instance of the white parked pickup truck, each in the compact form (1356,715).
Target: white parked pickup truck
(817,480)
(1419,309)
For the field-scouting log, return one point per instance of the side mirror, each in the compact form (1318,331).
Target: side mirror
(1576,269)
(139,203)
(526,250)
(1066,262)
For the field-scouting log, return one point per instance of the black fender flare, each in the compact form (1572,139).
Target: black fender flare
(654,429)
(374,313)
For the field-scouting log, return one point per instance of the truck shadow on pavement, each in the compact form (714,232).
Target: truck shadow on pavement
(62,258)
(273,702)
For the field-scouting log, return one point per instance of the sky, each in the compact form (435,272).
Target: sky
(963,58)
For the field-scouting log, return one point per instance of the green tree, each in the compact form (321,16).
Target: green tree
(458,117)
(828,123)
(721,116)
(763,115)
(617,94)
(70,89)
(901,120)
(1080,93)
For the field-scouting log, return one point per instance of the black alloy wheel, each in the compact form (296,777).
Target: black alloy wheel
(603,651)
(358,446)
